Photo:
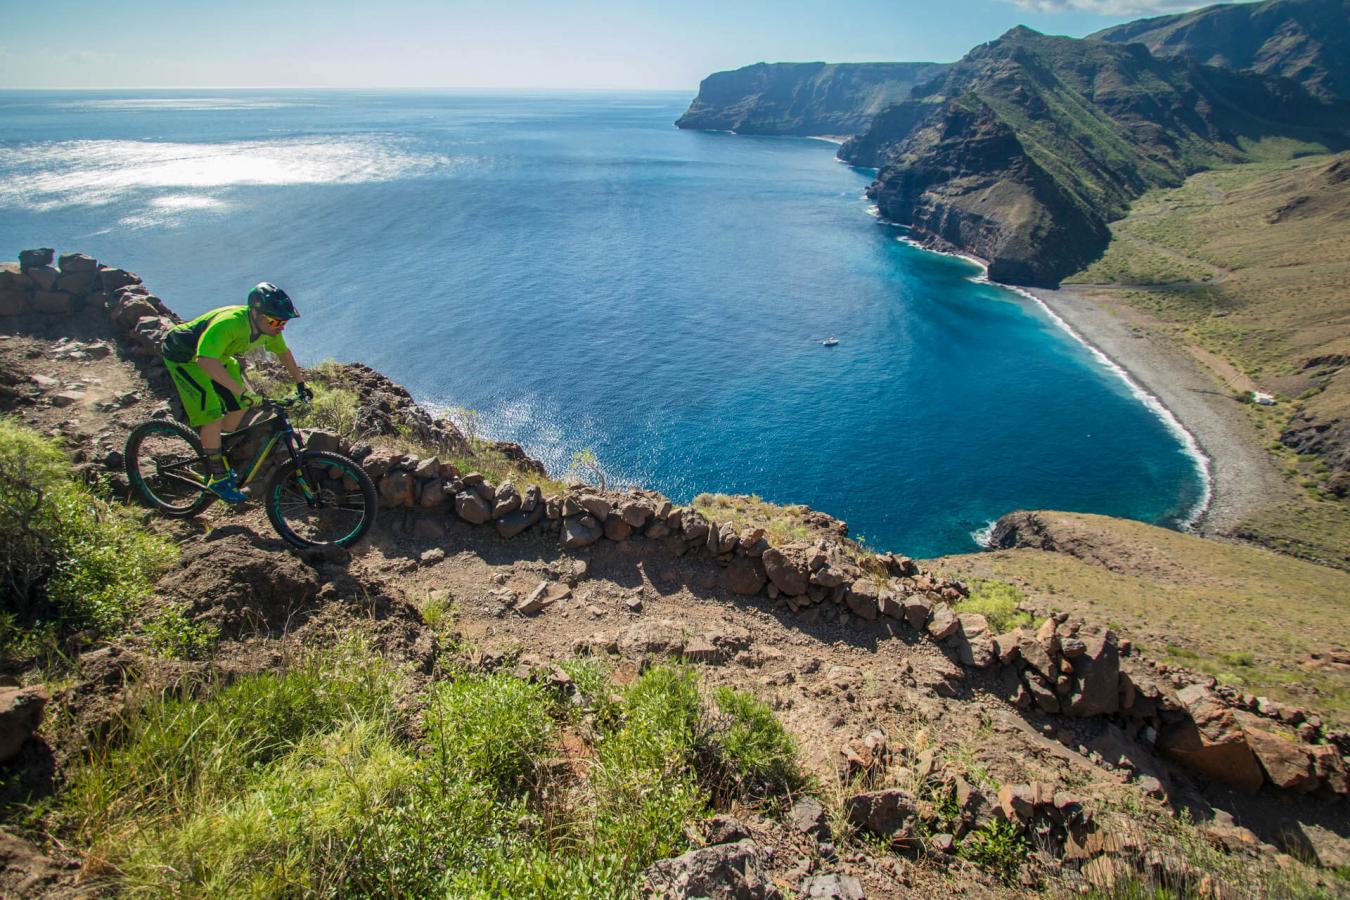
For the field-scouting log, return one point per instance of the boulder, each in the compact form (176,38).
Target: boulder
(719,872)
(831,887)
(507,501)
(42,256)
(1096,669)
(701,650)
(944,623)
(808,817)
(1033,651)
(1006,646)
(693,526)
(1017,802)
(431,494)
(112,279)
(598,507)
(745,576)
(974,646)
(77,282)
(1330,768)
(472,508)
(53,303)
(43,277)
(863,599)
(13,303)
(917,610)
(651,636)
(77,262)
(1286,761)
(20,715)
(889,605)
(396,489)
(636,512)
(616,529)
(788,575)
(514,523)
(1209,740)
(889,813)
(131,310)
(580,531)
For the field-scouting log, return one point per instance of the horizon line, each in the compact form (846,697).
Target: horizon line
(211,87)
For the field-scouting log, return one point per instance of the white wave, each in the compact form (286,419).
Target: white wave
(93,173)
(187,201)
(984,537)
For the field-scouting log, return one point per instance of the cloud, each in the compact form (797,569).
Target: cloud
(1110,7)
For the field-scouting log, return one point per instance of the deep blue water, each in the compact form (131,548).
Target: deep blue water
(587,276)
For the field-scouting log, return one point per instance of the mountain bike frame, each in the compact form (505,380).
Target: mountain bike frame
(282,432)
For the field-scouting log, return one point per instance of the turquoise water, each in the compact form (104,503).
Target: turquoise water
(584,275)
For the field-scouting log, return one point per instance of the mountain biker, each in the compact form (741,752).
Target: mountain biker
(202,357)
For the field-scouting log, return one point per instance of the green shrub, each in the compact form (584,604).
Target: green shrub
(333,409)
(71,560)
(998,847)
(644,784)
(174,635)
(997,601)
(494,728)
(756,751)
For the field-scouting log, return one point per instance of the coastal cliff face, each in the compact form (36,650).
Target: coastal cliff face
(802,98)
(1022,151)
(1305,40)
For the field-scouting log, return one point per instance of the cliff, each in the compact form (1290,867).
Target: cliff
(1023,150)
(802,98)
(1305,40)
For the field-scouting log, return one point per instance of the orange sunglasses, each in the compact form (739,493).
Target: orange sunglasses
(275,322)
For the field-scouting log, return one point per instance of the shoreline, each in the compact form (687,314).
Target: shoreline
(1241,477)
(1192,401)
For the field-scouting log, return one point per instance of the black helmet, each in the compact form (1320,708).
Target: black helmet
(271,300)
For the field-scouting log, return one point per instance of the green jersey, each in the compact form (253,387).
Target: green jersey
(224,333)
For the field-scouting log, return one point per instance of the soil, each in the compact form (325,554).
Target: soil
(830,677)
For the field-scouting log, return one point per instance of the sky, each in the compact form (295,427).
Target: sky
(517,45)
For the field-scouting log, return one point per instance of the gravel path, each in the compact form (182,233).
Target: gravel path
(1243,478)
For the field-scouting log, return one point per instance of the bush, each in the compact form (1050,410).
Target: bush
(71,560)
(174,635)
(997,601)
(494,728)
(998,847)
(755,750)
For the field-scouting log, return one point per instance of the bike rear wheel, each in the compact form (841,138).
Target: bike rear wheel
(167,468)
(321,499)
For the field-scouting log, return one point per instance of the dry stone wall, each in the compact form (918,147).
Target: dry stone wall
(1062,667)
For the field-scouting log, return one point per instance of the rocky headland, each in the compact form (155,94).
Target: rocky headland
(805,99)
(628,576)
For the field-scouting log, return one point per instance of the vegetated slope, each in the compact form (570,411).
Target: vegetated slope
(1278,237)
(1258,620)
(802,98)
(1023,150)
(1306,40)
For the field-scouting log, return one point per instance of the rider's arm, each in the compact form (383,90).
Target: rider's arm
(213,367)
(289,362)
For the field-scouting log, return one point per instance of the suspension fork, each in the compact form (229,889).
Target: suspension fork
(294,443)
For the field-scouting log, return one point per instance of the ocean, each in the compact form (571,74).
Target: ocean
(584,276)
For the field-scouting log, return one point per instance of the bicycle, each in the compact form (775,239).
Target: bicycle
(315,498)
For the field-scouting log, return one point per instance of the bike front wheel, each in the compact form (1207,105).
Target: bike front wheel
(167,468)
(321,499)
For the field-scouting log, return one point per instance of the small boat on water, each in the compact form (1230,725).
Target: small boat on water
(830,341)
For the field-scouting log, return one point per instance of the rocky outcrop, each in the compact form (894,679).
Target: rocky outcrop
(1305,40)
(802,98)
(1022,151)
